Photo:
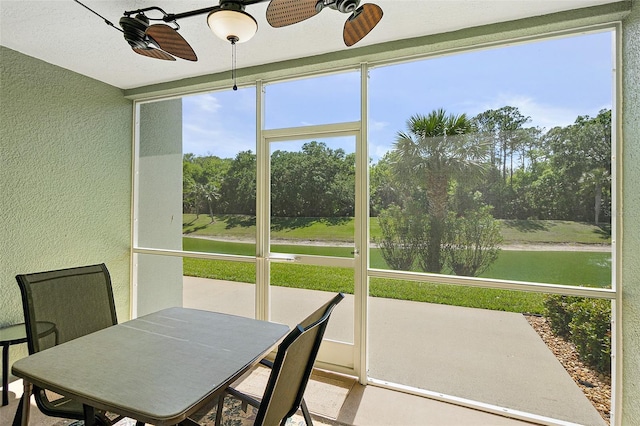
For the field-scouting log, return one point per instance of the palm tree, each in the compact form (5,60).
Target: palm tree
(211,194)
(434,151)
(596,180)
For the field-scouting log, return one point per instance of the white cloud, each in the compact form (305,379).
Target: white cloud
(204,103)
(542,115)
(377,125)
(208,128)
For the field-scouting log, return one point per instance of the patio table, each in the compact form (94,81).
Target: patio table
(158,369)
(13,335)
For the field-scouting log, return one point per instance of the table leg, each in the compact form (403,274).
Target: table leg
(5,375)
(26,402)
(89,415)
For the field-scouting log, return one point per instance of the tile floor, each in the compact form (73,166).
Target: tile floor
(338,398)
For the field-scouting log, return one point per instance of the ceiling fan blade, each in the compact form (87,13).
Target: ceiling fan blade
(361,22)
(153,53)
(281,13)
(168,39)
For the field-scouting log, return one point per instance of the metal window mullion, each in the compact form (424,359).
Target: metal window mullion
(361,290)
(320,130)
(592,292)
(194,255)
(135,211)
(263,211)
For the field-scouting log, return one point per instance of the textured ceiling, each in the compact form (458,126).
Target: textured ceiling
(63,33)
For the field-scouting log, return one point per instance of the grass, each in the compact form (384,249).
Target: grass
(554,231)
(243,227)
(589,269)
(558,267)
(333,279)
(342,229)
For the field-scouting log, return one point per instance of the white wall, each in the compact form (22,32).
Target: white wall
(159,278)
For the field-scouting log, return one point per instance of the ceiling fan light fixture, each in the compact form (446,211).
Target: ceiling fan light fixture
(231,24)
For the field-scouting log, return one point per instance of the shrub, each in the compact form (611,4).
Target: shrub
(397,245)
(557,310)
(472,241)
(584,322)
(591,332)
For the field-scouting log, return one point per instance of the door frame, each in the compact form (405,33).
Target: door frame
(333,355)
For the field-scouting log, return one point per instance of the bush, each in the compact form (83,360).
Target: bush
(398,242)
(584,322)
(591,332)
(472,241)
(557,310)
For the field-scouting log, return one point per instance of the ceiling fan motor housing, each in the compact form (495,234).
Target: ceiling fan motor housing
(134,29)
(345,6)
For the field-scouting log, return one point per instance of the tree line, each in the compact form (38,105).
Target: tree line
(493,159)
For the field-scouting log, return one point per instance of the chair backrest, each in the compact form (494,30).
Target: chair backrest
(293,366)
(78,301)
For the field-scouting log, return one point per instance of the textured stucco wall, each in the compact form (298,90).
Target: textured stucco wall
(159,278)
(65,177)
(631,217)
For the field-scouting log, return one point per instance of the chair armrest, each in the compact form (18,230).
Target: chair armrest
(266,363)
(243,397)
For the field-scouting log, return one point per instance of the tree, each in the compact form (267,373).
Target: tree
(398,243)
(238,188)
(315,182)
(594,181)
(431,153)
(327,181)
(210,194)
(383,192)
(575,152)
(191,174)
(472,241)
(503,129)
(202,178)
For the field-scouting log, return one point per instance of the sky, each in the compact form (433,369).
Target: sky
(552,81)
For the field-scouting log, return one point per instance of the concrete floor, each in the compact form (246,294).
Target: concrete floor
(494,358)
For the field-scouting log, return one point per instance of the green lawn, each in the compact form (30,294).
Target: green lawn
(243,227)
(554,231)
(341,279)
(590,269)
(342,229)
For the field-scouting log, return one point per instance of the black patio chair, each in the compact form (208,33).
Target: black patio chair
(78,301)
(290,371)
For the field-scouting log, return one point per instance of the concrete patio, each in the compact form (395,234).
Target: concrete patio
(492,357)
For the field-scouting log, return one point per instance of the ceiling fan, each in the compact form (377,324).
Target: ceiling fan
(229,21)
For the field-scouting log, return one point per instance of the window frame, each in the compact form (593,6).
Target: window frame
(614,294)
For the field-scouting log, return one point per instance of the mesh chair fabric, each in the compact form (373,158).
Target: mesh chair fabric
(78,301)
(293,366)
